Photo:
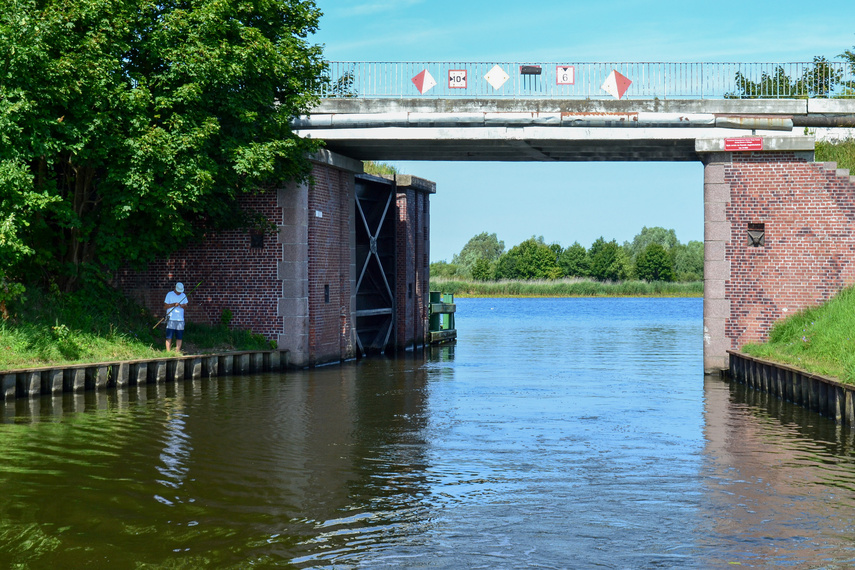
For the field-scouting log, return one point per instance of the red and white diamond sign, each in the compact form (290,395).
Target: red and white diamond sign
(424,81)
(616,84)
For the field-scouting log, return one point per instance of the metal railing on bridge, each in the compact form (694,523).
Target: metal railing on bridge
(819,78)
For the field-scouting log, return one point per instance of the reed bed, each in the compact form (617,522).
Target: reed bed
(567,288)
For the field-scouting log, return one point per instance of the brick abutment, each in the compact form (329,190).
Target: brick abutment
(297,285)
(779,234)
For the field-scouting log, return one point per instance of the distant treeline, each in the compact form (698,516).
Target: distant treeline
(653,255)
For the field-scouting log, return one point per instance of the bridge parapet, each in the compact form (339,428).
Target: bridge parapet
(589,80)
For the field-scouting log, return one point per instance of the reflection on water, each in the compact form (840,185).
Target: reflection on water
(556,433)
(779,482)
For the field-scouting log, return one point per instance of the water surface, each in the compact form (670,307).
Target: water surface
(557,433)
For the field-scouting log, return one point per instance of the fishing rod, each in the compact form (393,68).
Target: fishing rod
(173,308)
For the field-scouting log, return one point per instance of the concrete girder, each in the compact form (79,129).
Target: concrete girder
(503,143)
(787,107)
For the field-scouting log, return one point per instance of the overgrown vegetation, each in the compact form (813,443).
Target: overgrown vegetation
(843,153)
(98,324)
(372,167)
(566,288)
(818,339)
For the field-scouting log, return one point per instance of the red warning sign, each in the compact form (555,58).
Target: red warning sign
(743,144)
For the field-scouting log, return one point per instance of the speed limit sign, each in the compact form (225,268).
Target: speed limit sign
(457,79)
(565,75)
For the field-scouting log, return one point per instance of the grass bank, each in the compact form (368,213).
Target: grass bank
(819,339)
(49,328)
(566,288)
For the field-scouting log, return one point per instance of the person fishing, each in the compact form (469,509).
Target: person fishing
(174,304)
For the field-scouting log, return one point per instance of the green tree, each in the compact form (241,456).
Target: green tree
(529,260)
(849,86)
(445,270)
(688,261)
(574,261)
(654,264)
(130,127)
(482,246)
(483,270)
(819,80)
(609,261)
(666,238)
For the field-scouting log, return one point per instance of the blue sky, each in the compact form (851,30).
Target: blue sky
(567,202)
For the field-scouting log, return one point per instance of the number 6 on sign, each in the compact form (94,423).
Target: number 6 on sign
(565,75)
(457,79)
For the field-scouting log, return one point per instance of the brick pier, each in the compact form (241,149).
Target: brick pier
(779,237)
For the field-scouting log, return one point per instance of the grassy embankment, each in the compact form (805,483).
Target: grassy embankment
(819,339)
(45,329)
(566,288)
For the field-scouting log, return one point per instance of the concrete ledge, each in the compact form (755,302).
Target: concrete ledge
(831,106)
(409,181)
(32,382)
(770,144)
(337,161)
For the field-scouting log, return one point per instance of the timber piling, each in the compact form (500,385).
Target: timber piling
(75,378)
(822,394)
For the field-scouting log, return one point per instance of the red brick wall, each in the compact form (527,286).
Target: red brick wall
(233,276)
(246,280)
(809,254)
(412,233)
(330,258)
(249,281)
(405,271)
(422,263)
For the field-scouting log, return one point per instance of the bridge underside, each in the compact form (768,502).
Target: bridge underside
(507,145)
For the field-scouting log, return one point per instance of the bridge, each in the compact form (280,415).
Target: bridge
(571,112)
(779,229)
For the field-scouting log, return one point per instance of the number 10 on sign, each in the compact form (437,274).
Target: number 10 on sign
(457,78)
(565,75)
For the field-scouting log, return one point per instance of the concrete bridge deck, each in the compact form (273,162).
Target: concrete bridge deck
(561,130)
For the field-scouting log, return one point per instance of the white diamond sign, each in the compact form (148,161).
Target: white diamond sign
(496,77)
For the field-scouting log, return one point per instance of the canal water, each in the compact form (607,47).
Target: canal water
(556,433)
